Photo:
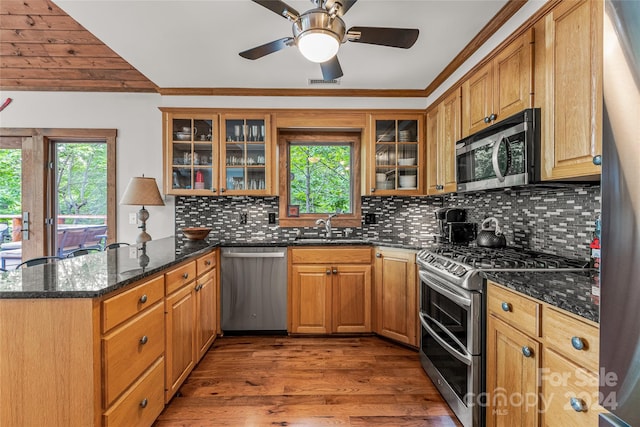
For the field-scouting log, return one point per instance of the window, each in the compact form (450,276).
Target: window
(319,175)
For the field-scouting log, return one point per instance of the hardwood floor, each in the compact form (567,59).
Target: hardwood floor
(285,381)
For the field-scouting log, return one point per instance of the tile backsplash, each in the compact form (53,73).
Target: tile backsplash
(558,221)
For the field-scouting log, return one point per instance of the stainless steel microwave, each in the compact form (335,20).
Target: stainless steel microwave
(505,154)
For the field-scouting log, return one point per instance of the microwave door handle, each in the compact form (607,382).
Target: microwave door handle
(494,157)
(455,353)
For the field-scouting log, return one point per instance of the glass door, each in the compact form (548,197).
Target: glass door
(10,202)
(245,155)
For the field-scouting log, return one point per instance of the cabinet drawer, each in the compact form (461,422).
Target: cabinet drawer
(515,309)
(178,277)
(129,350)
(332,255)
(562,331)
(205,263)
(127,304)
(142,403)
(562,382)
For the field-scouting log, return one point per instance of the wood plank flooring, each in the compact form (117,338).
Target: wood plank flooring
(285,381)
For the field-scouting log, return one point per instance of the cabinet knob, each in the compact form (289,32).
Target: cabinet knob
(328,271)
(185,276)
(493,116)
(207,262)
(222,190)
(373,190)
(335,271)
(577,404)
(506,306)
(577,343)
(144,403)
(143,299)
(378,255)
(597,160)
(486,119)
(526,351)
(439,187)
(213,190)
(144,340)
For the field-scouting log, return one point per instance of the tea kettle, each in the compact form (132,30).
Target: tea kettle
(491,236)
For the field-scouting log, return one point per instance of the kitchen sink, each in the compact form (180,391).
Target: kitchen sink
(327,241)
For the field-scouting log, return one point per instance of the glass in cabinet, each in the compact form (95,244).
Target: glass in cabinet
(397,148)
(245,154)
(192,154)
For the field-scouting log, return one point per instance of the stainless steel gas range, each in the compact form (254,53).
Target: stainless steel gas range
(452,317)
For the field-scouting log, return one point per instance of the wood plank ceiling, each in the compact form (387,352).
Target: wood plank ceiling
(43,48)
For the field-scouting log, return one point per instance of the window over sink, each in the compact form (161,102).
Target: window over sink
(319,175)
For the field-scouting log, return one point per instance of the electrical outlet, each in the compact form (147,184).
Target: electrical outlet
(133,252)
(243,218)
(370,218)
(272,218)
(133,219)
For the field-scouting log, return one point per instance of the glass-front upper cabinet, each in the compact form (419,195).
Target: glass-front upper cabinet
(397,164)
(245,153)
(191,163)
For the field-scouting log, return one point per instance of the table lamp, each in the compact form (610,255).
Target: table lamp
(142,191)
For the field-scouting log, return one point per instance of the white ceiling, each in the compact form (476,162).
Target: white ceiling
(195,44)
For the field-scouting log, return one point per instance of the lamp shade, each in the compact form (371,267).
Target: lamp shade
(142,191)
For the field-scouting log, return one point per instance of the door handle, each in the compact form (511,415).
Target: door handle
(25,225)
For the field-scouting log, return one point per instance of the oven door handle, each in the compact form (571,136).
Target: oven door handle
(464,358)
(458,299)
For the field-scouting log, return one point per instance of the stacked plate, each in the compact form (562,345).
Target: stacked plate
(405,136)
(407,181)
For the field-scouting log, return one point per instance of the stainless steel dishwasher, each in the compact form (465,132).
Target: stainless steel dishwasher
(254,290)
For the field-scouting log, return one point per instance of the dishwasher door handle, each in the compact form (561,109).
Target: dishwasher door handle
(253,255)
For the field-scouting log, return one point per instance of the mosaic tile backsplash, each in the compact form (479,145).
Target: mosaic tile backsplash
(558,221)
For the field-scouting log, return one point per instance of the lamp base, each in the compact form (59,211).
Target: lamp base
(143,237)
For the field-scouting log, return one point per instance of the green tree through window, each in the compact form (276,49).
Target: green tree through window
(320,177)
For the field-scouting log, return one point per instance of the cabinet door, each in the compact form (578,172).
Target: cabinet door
(512,76)
(569,82)
(477,100)
(512,376)
(207,313)
(311,299)
(351,306)
(190,154)
(450,118)
(246,152)
(180,351)
(396,301)
(433,138)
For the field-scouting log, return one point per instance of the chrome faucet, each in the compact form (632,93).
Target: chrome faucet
(327,224)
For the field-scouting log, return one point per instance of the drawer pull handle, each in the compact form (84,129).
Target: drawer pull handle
(144,403)
(198,287)
(185,276)
(143,299)
(578,405)
(207,263)
(144,340)
(506,306)
(526,351)
(577,343)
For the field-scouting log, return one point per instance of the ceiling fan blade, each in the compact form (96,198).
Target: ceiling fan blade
(393,37)
(279,7)
(267,48)
(331,69)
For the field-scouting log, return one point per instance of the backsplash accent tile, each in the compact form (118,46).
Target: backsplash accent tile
(558,221)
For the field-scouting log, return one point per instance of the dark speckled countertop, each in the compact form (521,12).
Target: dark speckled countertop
(565,290)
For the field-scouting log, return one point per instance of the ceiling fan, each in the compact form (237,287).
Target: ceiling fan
(318,33)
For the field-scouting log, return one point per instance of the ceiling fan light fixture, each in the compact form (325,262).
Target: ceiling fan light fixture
(318,45)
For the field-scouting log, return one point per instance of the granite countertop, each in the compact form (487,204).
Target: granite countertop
(566,290)
(97,274)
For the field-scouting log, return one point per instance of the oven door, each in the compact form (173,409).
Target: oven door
(451,345)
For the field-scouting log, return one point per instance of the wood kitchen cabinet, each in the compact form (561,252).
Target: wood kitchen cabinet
(330,290)
(396,295)
(501,88)
(246,154)
(190,153)
(443,131)
(397,154)
(191,317)
(568,78)
(535,349)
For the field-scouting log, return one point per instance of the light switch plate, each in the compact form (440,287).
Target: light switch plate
(133,252)
(133,219)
